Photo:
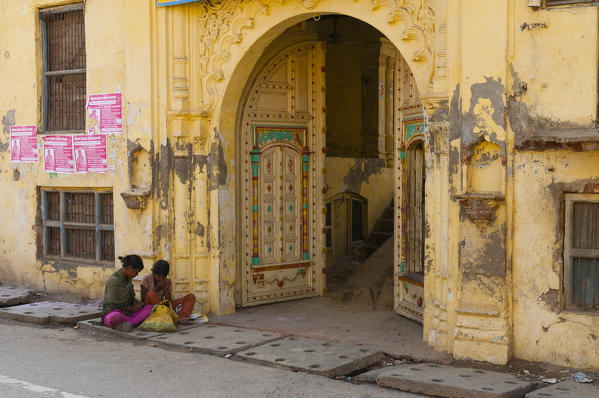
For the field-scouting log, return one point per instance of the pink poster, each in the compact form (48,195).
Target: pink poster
(23,144)
(90,153)
(107,109)
(58,154)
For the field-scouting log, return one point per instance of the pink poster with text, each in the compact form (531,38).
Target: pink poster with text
(90,153)
(23,144)
(107,109)
(58,154)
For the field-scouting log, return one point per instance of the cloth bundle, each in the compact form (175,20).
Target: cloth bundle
(162,318)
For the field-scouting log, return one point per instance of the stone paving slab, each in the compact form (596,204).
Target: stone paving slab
(566,389)
(371,376)
(216,340)
(448,381)
(313,356)
(50,311)
(96,326)
(14,296)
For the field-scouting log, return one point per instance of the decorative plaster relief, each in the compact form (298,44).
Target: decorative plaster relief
(480,208)
(222,24)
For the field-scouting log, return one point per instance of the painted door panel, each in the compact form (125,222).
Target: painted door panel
(282,252)
(409,275)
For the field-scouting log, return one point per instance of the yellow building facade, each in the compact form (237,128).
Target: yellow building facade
(246,122)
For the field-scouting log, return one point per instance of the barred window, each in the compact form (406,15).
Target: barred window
(581,251)
(78,225)
(549,3)
(63,59)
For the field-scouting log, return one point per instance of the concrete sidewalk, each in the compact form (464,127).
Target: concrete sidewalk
(326,319)
(324,338)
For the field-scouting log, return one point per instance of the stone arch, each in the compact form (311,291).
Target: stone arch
(406,24)
(410,25)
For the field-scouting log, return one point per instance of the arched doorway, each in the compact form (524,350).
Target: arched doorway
(323,119)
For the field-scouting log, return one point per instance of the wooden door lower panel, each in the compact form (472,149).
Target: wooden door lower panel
(280,282)
(411,296)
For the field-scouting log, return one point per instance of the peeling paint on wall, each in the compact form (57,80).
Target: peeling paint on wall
(200,230)
(542,133)
(485,257)
(8,120)
(217,165)
(485,119)
(361,171)
(551,299)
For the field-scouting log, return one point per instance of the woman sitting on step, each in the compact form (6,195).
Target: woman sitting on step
(157,287)
(121,310)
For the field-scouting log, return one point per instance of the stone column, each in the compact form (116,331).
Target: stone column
(437,283)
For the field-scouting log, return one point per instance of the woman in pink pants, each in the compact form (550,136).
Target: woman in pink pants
(121,310)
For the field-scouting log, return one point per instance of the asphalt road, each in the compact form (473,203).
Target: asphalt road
(43,362)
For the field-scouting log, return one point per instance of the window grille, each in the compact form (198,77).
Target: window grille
(581,251)
(63,59)
(78,225)
(549,3)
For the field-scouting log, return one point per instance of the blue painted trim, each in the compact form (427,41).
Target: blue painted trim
(163,3)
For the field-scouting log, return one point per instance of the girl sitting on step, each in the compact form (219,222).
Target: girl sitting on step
(157,287)
(121,310)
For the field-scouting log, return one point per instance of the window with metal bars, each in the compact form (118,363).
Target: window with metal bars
(63,60)
(549,3)
(78,225)
(581,251)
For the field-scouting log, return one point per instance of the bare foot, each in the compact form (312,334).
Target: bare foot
(183,321)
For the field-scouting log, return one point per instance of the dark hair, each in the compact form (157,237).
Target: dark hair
(161,267)
(132,260)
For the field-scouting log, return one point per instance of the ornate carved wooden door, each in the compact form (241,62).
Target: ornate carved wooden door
(410,193)
(283,148)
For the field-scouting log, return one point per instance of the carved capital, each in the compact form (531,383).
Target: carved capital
(437,112)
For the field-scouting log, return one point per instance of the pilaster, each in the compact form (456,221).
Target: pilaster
(437,279)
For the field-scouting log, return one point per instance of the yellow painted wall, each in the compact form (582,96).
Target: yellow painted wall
(367,177)
(532,85)
(543,330)
(112,45)
(553,84)
(497,73)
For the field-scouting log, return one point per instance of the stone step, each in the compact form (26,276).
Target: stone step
(51,311)
(566,389)
(95,327)
(313,356)
(216,339)
(448,381)
(383,225)
(14,296)
(388,213)
(378,238)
